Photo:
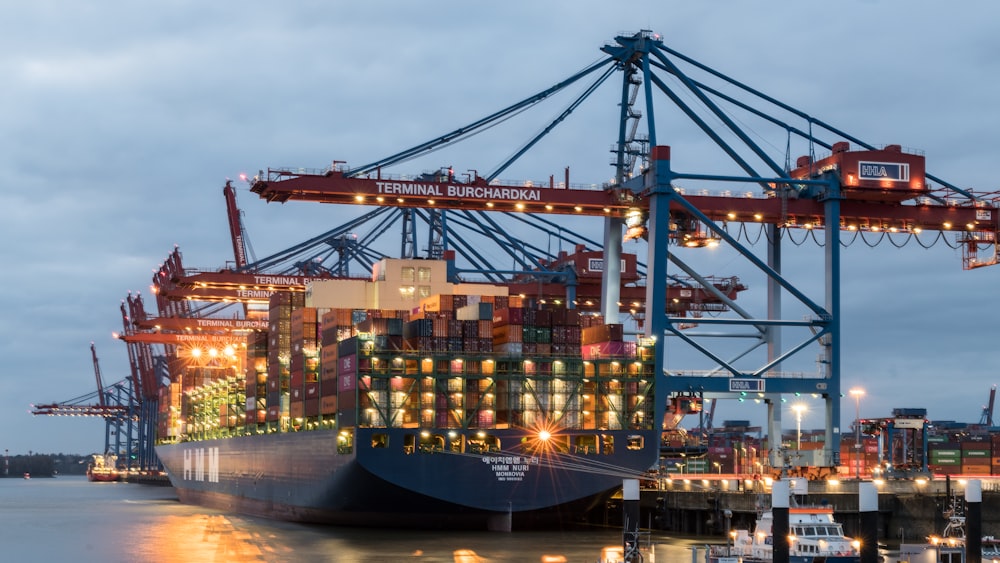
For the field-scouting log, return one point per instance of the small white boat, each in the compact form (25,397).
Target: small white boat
(814,536)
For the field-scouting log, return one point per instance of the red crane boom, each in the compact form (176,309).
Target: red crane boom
(97,374)
(236,230)
(869,204)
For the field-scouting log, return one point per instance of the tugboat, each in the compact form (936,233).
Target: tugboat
(814,536)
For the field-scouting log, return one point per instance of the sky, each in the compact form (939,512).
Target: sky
(120,123)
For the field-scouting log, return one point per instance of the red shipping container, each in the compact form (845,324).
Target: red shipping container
(602,350)
(543,318)
(328,387)
(511,315)
(312,407)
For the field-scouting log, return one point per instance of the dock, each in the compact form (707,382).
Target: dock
(908,509)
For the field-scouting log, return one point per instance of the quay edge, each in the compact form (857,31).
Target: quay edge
(908,509)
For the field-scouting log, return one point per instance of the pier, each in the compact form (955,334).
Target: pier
(907,509)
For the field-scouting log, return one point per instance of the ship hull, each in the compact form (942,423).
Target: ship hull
(304,476)
(103,476)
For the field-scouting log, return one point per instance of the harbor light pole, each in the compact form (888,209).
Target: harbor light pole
(798,408)
(857,392)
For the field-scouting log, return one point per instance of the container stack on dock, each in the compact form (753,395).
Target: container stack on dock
(859,459)
(970,455)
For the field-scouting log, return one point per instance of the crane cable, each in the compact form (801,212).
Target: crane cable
(743,233)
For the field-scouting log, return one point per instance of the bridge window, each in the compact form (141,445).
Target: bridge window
(431,442)
(609,444)
(585,444)
(345,442)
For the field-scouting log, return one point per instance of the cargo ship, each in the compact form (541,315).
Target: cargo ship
(435,403)
(103,468)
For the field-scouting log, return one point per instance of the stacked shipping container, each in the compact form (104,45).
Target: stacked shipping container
(314,363)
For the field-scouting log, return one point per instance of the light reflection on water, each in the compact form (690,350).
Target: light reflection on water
(70,519)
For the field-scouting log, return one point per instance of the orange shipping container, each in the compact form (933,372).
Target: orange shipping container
(507,333)
(436,303)
(975,469)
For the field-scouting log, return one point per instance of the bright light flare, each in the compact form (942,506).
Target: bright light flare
(540,439)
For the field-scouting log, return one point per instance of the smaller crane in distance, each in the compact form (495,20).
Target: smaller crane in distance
(83,405)
(987,417)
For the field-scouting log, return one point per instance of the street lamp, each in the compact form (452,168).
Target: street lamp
(858,393)
(798,408)
(732,533)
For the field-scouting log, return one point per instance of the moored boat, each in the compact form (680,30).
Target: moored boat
(814,535)
(102,468)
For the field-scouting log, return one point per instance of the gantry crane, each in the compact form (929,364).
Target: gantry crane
(114,403)
(859,190)
(987,417)
(242,252)
(180,324)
